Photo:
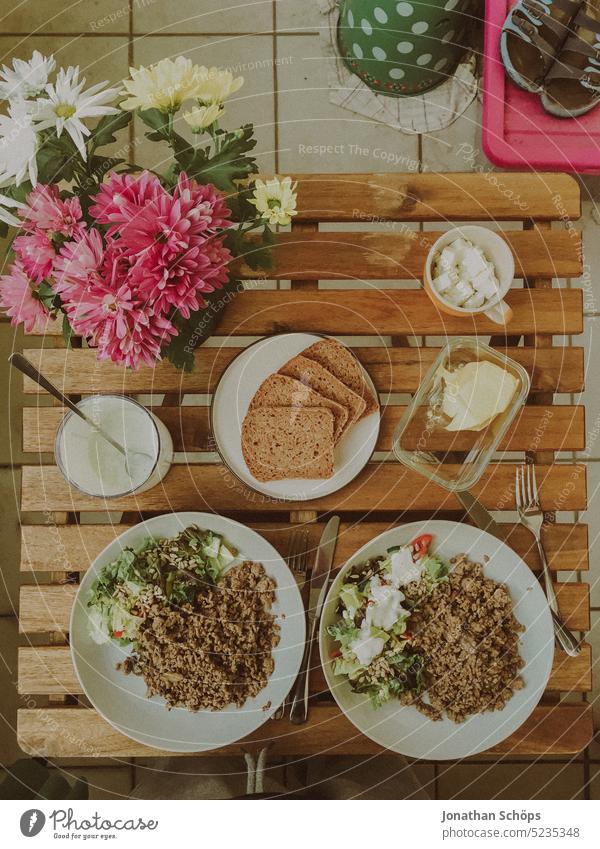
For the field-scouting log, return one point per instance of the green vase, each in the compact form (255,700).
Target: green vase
(403,48)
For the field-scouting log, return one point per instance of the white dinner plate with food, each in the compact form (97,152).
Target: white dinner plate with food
(446,666)
(163,656)
(233,404)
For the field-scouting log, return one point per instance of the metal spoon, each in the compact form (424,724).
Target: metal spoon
(22,363)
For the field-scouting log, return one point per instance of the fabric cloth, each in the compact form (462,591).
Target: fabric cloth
(425,113)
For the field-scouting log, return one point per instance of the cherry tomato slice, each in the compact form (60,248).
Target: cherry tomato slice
(334,654)
(420,545)
(117,634)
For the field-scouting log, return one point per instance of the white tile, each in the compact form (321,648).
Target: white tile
(99,58)
(205,777)
(10,540)
(292,15)
(113,782)
(378,777)
(97,16)
(594,786)
(589,225)
(590,397)
(457,147)
(591,517)
(9,750)
(511,781)
(189,16)
(594,638)
(315,135)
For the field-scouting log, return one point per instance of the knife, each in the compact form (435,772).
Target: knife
(480,515)
(319,583)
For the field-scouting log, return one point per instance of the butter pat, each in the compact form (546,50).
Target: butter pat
(475,394)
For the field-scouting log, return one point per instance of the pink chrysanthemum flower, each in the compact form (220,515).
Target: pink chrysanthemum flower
(36,254)
(141,341)
(17,296)
(123,196)
(46,211)
(176,281)
(119,325)
(202,202)
(78,265)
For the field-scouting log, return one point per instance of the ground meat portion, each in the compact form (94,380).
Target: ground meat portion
(215,651)
(468,636)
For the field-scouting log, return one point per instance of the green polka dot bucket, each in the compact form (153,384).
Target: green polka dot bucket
(403,48)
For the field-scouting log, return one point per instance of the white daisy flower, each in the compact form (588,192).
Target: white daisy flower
(7,216)
(66,105)
(201,117)
(275,199)
(26,79)
(18,145)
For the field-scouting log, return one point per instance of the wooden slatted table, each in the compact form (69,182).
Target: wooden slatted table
(325,244)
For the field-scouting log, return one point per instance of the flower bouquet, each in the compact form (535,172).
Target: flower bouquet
(137,263)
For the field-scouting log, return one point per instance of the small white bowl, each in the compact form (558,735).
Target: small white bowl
(496,251)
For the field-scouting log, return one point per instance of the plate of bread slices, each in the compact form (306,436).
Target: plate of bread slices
(295,416)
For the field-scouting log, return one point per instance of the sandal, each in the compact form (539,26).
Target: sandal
(572,85)
(533,34)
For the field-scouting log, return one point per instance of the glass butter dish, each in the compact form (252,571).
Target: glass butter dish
(451,429)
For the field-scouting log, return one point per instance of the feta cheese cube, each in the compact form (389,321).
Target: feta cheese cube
(447,260)
(464,291)
(453,297)
(459,246)
(475,301)
(486,283)
(445,280)
(473,262)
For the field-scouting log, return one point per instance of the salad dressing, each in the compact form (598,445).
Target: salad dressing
(403,567)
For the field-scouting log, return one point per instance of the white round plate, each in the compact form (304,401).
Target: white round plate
(230,404)
(121,699)
(404,729)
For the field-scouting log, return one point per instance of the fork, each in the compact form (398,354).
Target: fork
(531,516)
(297,560)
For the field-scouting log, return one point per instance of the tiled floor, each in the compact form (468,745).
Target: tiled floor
(275,45)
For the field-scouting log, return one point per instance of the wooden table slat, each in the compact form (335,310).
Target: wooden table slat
(384,493)
(560,428)
(556,730)
(389,312)
(46,608)
(71,548)
(436,197)
(49,669)
(380,486)
(401,255)
(392,370)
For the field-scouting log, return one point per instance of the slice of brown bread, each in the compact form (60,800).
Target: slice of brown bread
(342,363)
(288,442)
(325,383)
(278,390)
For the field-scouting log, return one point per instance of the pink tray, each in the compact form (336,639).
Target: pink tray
(516,132)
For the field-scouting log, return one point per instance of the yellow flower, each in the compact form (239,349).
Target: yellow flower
(200,117)
(215,86)
(275,200)
(162,86)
